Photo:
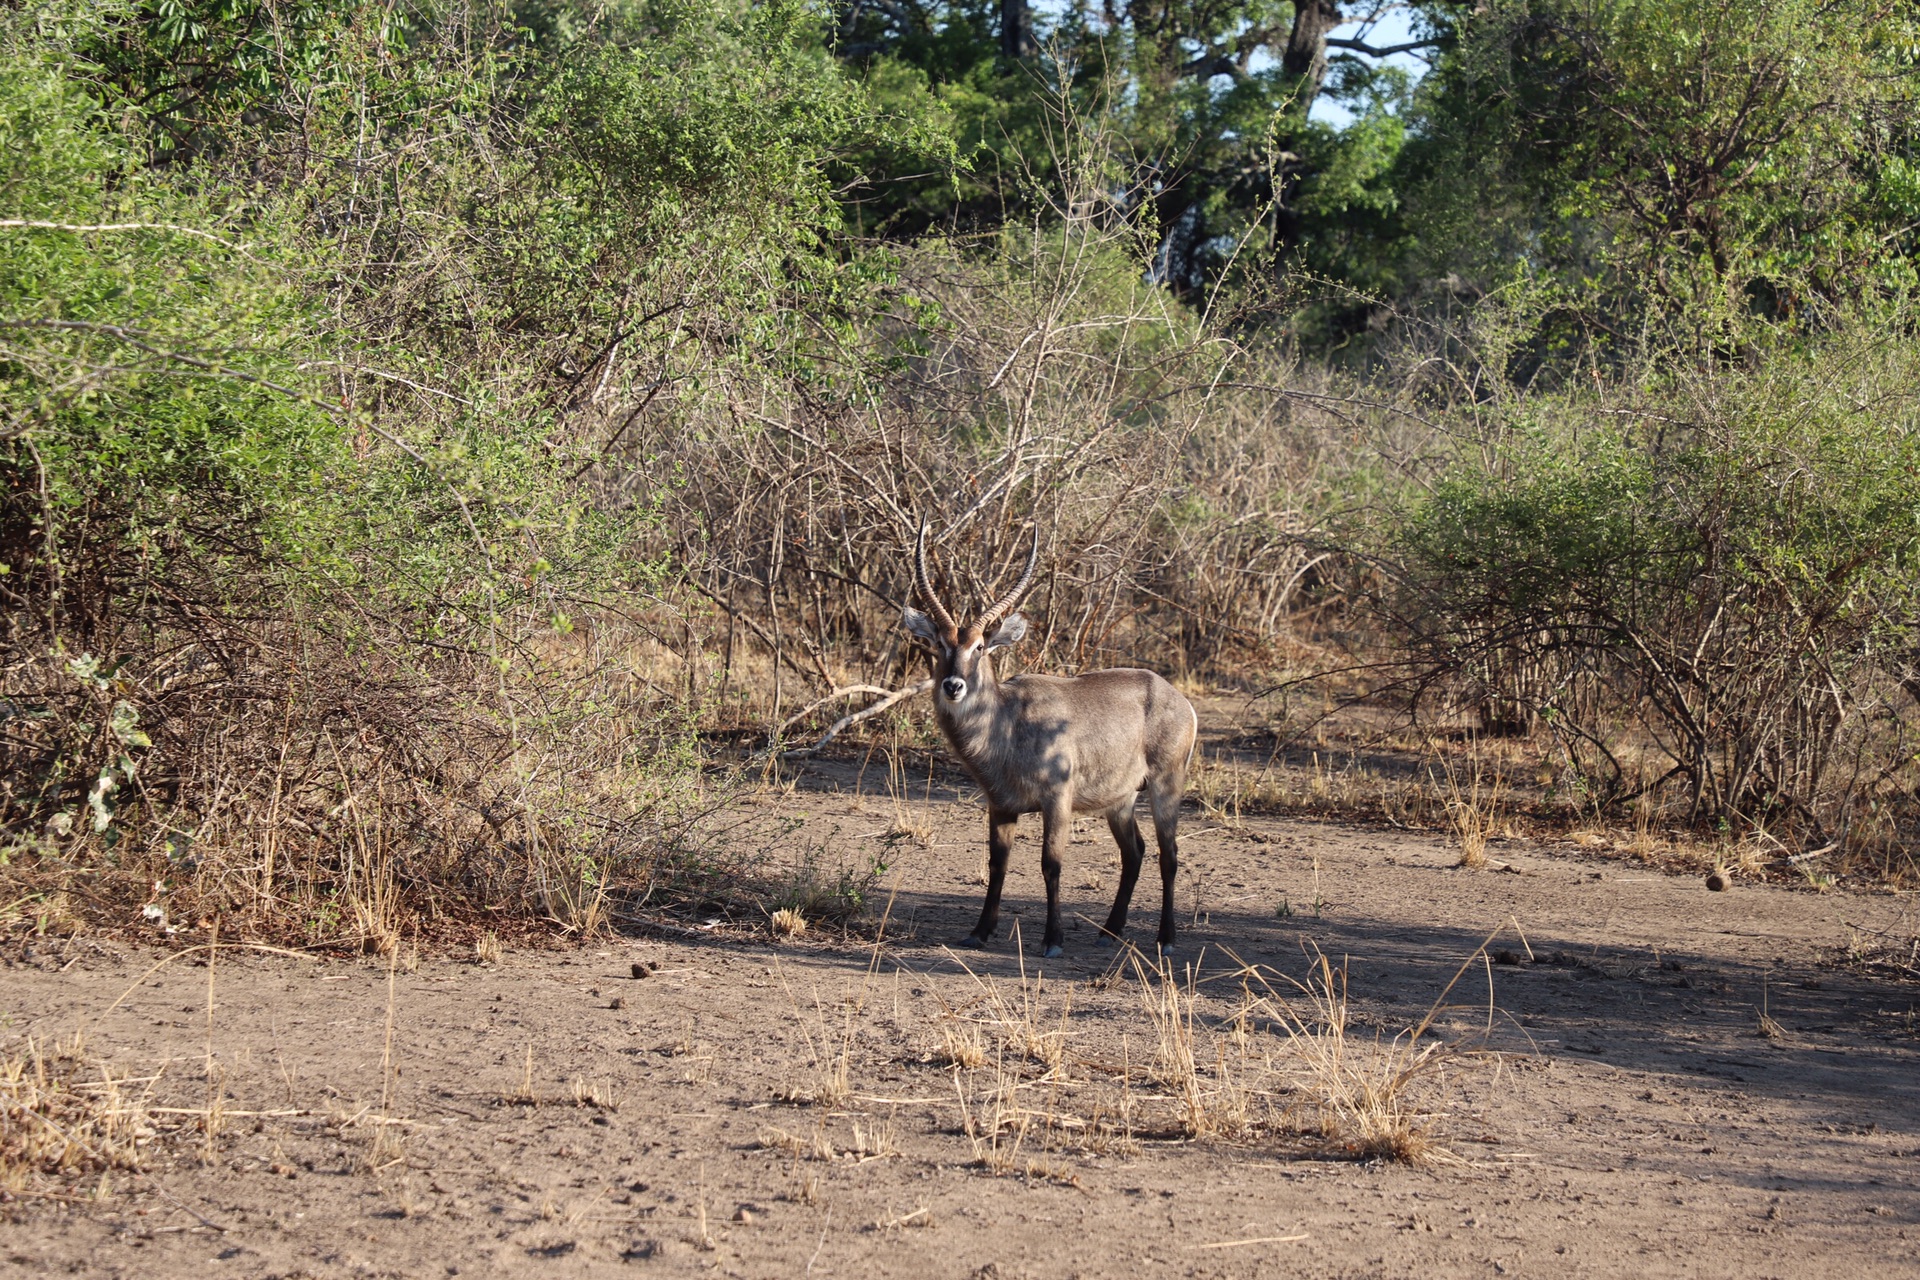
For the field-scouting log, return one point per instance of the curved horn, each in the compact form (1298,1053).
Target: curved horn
(924,580)
(1004,605)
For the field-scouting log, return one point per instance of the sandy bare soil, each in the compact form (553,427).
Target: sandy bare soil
(1608,1101)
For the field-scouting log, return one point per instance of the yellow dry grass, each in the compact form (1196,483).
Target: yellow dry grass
(64,1119)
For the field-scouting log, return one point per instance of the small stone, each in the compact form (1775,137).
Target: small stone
(1718,880)
(617,1002)
(640,970)
(742,1214)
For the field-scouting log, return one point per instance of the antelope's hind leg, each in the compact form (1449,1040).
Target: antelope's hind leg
(1133,853)
(1000,828)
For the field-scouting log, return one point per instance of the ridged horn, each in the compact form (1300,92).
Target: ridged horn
(1004,605)
(924,580)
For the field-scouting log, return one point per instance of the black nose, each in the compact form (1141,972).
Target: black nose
(953,687)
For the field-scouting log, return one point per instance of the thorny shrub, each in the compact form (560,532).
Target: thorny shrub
(322,606)
(1702,588)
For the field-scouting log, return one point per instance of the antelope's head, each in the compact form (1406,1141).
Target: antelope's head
(961,668)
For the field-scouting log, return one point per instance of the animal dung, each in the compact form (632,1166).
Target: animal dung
(1718,880)
(640,970)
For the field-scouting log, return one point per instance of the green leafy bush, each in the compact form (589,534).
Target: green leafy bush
(1706,584)
(1684,168)
(319,550)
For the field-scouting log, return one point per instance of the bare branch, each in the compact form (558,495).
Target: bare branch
(1379,51)
(848,721)
(89,228)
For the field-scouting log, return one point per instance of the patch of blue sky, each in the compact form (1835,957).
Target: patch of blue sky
(1387,27)
(1384,24)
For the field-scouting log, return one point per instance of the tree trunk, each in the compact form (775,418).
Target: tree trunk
(1306,55)
(1016,29)
(1305,59)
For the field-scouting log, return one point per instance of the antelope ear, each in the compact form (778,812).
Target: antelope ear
(1012,631)
(920,625)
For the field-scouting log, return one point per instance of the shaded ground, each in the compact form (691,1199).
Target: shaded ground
(1610,1105)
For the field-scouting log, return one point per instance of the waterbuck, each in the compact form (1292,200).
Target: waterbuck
(1056,746)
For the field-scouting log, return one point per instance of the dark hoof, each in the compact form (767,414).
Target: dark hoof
(1105,940)
(971,943)
(1053,951)
(1168,950)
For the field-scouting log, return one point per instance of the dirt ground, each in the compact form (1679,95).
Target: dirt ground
(1637,1077)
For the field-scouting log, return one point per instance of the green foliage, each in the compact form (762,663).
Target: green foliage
(1729,561)
(704,148)
(302,389)
(1212,152)
(189,68)
(149,369)
(1685,167)
(360,352)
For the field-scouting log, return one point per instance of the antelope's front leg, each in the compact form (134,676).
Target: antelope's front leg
(999,848)
(1058,818)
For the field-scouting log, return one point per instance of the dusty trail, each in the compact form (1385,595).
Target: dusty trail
(1617,1113)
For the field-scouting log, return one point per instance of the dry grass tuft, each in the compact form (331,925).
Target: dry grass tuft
(56,1127)
(909,823)
(524,1095)
(1281,1067)
(1212,1104)
(788,923)
(829,1050)
(1764,1025)
(873,1139)
(1366,1096)
(814,1146)
(1010,1131)
(1474,809)
(1889,953)
(805,1189)
(963,1045)
(597,1094)
(920,1217)
(999,1129)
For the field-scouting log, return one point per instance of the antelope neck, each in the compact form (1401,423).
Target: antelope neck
(968,722)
